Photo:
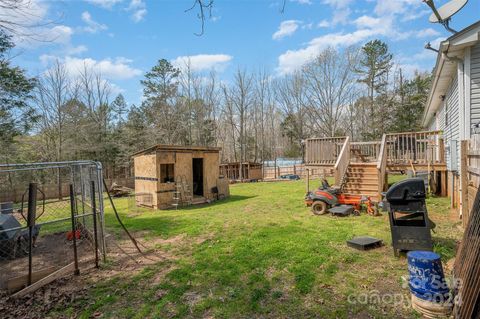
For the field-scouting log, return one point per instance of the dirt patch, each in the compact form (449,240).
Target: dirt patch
(123,258)
(51,250)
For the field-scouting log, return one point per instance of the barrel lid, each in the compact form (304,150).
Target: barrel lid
(422,254)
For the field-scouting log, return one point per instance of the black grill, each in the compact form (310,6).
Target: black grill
(409,222)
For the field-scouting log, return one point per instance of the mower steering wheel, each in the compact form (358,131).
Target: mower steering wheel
(325,184)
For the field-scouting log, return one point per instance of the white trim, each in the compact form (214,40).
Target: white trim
(461,101)
(462,126)
(468,92)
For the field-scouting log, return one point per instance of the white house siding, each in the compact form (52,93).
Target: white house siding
(441,118)
(452,132)
(433,124)
(437,123)
(475,85)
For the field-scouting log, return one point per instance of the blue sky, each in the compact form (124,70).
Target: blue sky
(124,38)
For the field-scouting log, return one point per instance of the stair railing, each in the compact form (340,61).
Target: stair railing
(382,164)
(341,165)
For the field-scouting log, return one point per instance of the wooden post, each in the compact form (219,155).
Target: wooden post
(451,189)
(443,184)
(308,180)
(441,147)
(463,179)
(275,168)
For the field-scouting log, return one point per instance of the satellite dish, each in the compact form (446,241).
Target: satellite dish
(446,11)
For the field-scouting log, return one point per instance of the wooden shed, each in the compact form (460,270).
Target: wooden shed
(250,171)
(178,175)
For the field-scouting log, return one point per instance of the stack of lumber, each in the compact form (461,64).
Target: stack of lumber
(120,191)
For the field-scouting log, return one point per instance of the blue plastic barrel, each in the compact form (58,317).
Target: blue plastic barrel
(427,280)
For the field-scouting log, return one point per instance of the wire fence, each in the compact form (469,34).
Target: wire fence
(40,233)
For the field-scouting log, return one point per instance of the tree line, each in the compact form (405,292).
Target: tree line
(255,116)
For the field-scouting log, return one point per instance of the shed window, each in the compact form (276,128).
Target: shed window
(167,173)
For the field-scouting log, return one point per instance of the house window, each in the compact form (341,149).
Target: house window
(167,173)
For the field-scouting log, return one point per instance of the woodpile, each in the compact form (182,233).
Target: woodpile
(120,191)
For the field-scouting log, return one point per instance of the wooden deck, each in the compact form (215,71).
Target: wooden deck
(417,151)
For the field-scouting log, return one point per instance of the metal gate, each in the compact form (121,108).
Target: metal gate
(52,219)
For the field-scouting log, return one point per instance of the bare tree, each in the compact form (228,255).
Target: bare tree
(292,101)
(53,92)
(204,8)
(329,82)
(25,19)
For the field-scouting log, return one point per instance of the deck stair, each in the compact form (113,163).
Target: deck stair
(362,178)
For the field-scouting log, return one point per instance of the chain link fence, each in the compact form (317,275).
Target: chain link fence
(51,219)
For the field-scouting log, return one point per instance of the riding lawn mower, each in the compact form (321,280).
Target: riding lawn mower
(330,199)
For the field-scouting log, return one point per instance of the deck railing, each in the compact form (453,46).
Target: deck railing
(398,149)
(323,151)
(343,160)
(382,164)
(364,151)
(415,147)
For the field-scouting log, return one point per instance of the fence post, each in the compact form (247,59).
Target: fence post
(464,181)
(308,180)
(275,167)
(74,229)
(31,216)
(94,211)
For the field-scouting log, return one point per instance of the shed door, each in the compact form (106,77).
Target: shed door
(197,170)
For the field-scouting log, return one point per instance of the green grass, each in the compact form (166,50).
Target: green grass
(260,253)
(394,178)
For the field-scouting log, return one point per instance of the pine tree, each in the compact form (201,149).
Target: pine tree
(160,106)
(375,64)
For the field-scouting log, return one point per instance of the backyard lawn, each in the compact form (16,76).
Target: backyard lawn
(259,254)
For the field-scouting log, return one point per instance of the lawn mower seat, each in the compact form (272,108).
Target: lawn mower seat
(332,190)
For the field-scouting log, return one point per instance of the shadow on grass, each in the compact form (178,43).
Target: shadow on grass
(231,199)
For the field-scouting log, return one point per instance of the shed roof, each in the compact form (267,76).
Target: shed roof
(177,148)
(450,52)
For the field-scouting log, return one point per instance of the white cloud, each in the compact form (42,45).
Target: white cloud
(384,23)
(202,62)
(408,9)
(286,28)
(341,11)
(117,69)
(338,3)
(294,59)
(416,15)
(92,26)
(367,22)
(138,9)
(323,24)
(30,13)
(424,33)
(76,50)
(107,4)
(302,1)
(60,34)
(341,16)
